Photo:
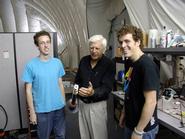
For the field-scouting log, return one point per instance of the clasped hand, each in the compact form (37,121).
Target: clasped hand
(86,92)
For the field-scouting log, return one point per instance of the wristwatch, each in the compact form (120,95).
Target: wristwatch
(139,133)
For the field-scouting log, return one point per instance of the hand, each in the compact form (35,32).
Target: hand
(86,92)
(71,104)
(122,120)
(32,118)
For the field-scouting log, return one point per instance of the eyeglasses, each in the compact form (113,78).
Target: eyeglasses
(44,43)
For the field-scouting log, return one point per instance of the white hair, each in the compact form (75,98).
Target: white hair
(100,38)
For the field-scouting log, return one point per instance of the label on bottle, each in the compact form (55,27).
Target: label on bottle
(163,41)
(153,42)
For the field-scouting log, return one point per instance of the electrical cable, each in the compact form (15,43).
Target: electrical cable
(2,131)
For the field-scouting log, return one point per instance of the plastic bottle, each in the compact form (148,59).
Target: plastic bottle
(163,38)
(169,38)
(153,42)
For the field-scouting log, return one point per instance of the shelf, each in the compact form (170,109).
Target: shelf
(171,51)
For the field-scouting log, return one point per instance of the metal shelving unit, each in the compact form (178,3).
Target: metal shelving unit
(180,51)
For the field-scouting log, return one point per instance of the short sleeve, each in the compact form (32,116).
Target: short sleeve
(27,74)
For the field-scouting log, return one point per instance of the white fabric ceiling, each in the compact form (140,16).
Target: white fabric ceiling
(100,14)
(66,17)
(149,14)
(76,20)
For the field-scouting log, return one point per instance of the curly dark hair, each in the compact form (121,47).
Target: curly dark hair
(40,33)
(137,33)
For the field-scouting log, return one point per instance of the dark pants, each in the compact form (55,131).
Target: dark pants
(46,122)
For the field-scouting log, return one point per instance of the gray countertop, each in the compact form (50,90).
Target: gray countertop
(164,118)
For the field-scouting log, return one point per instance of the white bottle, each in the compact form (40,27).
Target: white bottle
(169,38)
(163,38)
(153,42)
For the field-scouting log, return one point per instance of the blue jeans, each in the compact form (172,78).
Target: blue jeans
(147,135)
(46,122)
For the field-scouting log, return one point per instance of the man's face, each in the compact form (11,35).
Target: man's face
(128,45)
(96,50)
(44,44)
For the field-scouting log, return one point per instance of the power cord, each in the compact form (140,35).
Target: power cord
(2,130)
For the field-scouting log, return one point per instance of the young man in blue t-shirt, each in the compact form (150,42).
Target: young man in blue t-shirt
(44,90)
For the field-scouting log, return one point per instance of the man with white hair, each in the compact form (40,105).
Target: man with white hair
(95,78)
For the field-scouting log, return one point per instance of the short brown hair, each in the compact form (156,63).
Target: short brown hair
(40,33)
(136,33)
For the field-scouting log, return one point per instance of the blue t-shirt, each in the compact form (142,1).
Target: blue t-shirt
(44,77)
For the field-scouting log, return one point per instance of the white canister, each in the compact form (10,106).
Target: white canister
(153,38)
